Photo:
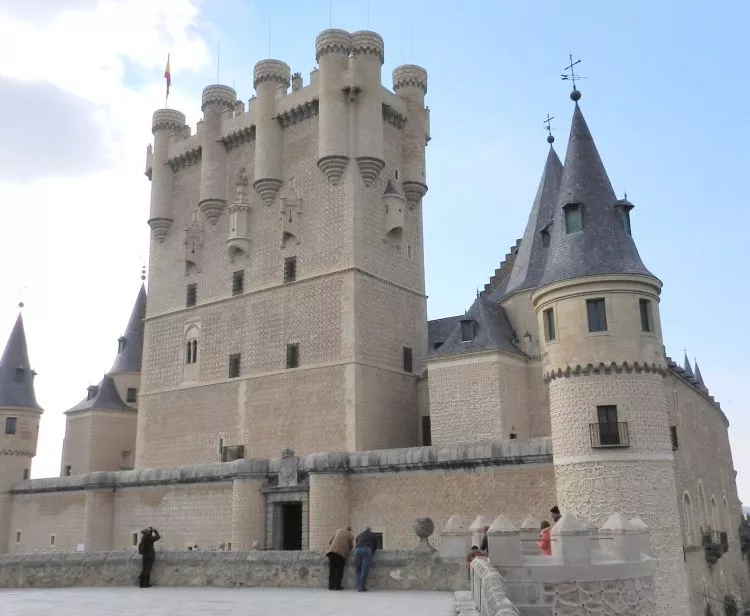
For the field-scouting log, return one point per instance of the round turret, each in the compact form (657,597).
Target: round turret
(410,75)
(332,41)
(271,71)
(167,119)
(366,42)
(220,95)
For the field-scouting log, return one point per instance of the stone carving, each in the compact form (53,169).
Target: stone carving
(194,243)
(291,212)
(423,528)
(238,241)
(288,469)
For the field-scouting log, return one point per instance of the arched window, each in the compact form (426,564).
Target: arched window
(191,345)
(689,518)
(703,512)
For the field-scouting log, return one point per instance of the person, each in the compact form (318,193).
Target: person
(545,543)
(364,550)
(485,543)
(149,536)
(339,546)
(555,511)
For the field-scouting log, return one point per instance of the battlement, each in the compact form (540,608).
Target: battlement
(332,41)
(168,119)
(274,71)
(366,42)
(217,94)
(410,75)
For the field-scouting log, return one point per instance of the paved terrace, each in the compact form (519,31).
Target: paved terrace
(220,601)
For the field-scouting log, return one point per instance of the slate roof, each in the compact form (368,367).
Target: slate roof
(16,387)
(494,332)
(603,246)
(129,358)
(104,396)
(531,258)
(391,190)
(438,331)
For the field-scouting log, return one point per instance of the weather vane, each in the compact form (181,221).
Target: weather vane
(548,126)
(575,94)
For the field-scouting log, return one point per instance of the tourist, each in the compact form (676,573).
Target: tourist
(485,543)
(545,543)
(363,552)
(149,536)
(339,547)
(555,511)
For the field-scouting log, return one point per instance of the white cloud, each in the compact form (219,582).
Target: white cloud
(74,220)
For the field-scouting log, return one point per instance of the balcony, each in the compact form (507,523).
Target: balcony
(715,544)
(609,435)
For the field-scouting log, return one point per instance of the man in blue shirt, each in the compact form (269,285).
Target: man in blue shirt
(364,549)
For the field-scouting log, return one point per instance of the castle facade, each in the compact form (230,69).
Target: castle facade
(286,316)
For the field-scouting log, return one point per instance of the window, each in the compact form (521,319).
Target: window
(625,219)
(10,425)
(609,427)
(292,355)
(131,395)
(436,345)
(66,472)
(673,436)
(645,307)
(290,269)
(545,237)
(238,282)
(549,324)
(52,541)
(121,344)
(18,536)
(396,174)
(134,539)
(597,314)
(407,360)
(25,474)
(468,330)
(513,436)
(426,431)
(92,391)
(191,295)
(573,217)
(191,352)
(378,540)
(126,460)
(234,365)
(19,376)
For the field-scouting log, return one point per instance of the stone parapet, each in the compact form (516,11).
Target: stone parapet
(391,570)
(332,41)
(168,119)
(274,71)
(218,94)
(410,75)
(366,42)
(489,590)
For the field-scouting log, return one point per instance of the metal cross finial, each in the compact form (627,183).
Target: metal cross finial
(571,67)
(548,126)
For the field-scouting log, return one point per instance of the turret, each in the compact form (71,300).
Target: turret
(19,422)
(270,80)
(126,369)
(332,53)
(367,59)
(394,211)
(165,123)
(410,84)
(604,364)
(218,103)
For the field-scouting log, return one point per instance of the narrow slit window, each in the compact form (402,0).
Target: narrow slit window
(290,269)
(407,359)
(597,315)
(292,355)
(645,308)
(131,395)
(549,324)
(426,431)
(10,425)
(235,362)
(573,217)
(191,295)
(673,438)
(238,282)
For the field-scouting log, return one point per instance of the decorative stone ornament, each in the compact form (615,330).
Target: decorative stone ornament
(238,241)
(194,243)
(423,528)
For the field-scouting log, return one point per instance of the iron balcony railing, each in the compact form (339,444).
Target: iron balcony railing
(609,434)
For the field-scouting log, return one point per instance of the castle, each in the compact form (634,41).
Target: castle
(286,316)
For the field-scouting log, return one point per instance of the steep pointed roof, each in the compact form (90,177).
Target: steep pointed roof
(391,190)
(102,396)
(686,366)
(130,350)
(493,331)
(528,267)
(699,376)
(16,375)
(603,246)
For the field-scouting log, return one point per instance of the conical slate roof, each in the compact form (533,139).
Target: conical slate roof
(130,352)
(698,375)
(493,332)
(686,367)
(603,246)
(531,258)
(16,375)
(103,396)
(391,190)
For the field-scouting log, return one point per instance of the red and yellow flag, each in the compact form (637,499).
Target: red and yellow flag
(168,75)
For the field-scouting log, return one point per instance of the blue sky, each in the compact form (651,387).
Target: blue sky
(664,99)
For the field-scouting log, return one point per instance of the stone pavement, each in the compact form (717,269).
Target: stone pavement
(220,601)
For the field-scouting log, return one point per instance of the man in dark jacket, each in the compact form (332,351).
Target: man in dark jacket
(149,536)
(364,549)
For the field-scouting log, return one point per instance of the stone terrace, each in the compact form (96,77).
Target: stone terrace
(218,601)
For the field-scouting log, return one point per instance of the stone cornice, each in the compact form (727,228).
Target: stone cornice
(393,117)
(298,113)
(17,452)
(602,368)
(239,136)
(185,159)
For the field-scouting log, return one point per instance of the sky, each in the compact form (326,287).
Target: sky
(664,98)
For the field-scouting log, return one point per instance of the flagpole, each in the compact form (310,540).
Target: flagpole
(168,77)
(218,60)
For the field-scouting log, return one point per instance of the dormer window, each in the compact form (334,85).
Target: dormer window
(121,344)
(573,217)
(625,220)
(623,207)
(468,330)
(92,391)
(545,236)
(19,375)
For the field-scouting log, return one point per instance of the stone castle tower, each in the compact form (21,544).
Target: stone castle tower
(20,429)
(286,293)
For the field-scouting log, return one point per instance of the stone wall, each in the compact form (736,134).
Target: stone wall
(391,570)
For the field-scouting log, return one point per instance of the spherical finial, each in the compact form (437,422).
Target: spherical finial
(550,139)
(575,95)
(20,304)
(143,273)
